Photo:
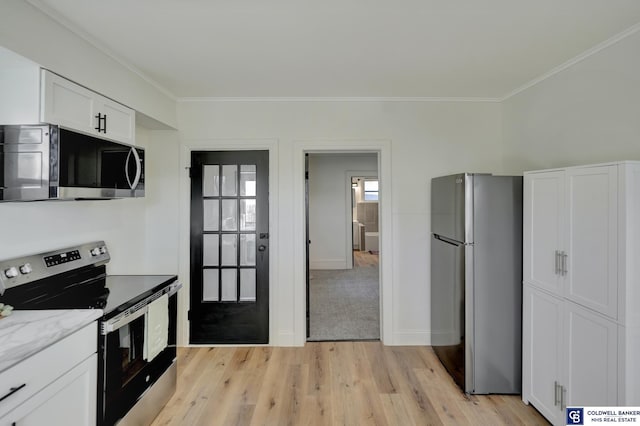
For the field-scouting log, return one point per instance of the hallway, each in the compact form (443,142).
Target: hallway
(345,304)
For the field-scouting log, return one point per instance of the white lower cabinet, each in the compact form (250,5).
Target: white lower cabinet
(56,386)
(570,355)
(542,355)
(590,364)
(69,401)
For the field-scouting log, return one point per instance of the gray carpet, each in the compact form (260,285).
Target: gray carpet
(344,304)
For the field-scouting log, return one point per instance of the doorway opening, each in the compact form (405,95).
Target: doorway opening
(343,280)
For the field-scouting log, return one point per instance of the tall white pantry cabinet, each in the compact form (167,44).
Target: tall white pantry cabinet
(581,298)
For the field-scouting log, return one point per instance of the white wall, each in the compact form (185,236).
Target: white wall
(587,113)
(162,213)
(30,33)
(427,139)
(330,227)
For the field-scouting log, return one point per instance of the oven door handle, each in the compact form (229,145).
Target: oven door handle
(116,323)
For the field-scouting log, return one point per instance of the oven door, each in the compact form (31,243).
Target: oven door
(125,373)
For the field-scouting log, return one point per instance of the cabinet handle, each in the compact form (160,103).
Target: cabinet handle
(557,269)
(102,123)
(564,263)
(12,391)
(99,117)
(563,394)
(555,393)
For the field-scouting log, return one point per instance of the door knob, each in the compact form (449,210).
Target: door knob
(262,247)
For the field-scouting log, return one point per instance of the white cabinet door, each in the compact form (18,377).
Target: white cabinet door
(119,121)
(543,229)
(592,238)
(75,107)
(68,401)
(591,349)
(67,104)
(541,349)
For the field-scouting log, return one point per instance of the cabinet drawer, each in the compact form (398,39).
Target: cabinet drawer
(42,368)
(69,401)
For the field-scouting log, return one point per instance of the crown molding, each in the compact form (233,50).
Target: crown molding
(571,62)
(38,4)
(334,99)
(65,23)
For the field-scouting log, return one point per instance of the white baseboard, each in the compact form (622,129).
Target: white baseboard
(410,338)
(328,264)
(285,338)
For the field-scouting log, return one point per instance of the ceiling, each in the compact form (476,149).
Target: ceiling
(344,48)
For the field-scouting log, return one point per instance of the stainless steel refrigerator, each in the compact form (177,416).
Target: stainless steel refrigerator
(476,280)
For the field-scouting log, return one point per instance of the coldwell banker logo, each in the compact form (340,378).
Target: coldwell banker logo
(574,416)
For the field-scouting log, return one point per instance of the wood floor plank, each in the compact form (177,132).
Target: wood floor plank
(329,383)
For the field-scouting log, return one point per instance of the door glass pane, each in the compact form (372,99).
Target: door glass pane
(229,180)
(247,215)
(247,249)
(210,285)
(229,250)
(248,285)
(211,215)
(229,285)
(210,181)
(229,215)
(248,180)
(210,250)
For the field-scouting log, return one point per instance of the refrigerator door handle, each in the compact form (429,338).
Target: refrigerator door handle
(446,240)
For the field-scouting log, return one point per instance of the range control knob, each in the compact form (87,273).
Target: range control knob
(26,268)
(95,251)
(11,272)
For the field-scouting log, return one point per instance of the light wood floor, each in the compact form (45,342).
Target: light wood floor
(364,258)
(329,383)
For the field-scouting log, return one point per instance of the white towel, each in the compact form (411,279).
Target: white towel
(156,328)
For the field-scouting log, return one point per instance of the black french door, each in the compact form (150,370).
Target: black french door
(229,247)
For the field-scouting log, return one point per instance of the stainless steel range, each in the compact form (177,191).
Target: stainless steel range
(137,333)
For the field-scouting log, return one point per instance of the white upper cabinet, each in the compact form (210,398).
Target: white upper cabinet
(543,229)
(591,234)
(67,104)
(571,235)
(31,95)
(75,107)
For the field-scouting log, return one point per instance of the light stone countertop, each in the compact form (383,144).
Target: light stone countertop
(23,333)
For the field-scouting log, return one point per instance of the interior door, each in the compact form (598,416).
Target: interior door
(229,247)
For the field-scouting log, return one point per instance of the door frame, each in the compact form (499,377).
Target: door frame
(383,149)
(186,148)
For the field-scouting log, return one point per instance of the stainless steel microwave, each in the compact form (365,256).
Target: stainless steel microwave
(46,162)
